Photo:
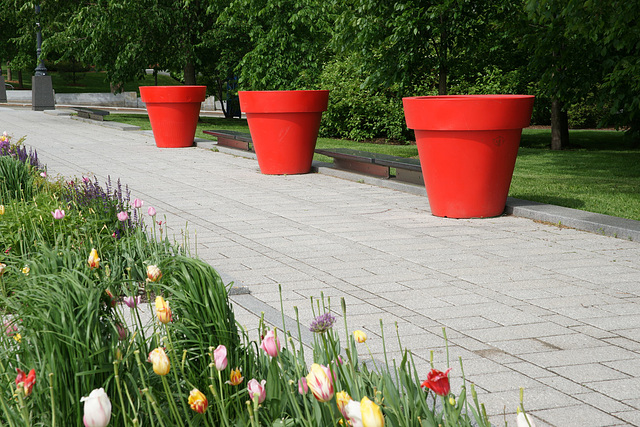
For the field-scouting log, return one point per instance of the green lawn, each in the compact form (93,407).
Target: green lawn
(600,172)
(91,82)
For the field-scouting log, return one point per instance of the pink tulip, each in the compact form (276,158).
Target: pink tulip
(131,302)
(122,331)
(257,390)
(303,388)
(137,203)
(270,344)
(123,216)
(151,211)
(97,409)
(58,214)
(220,357)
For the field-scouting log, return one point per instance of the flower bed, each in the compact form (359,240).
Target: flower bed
(78,259)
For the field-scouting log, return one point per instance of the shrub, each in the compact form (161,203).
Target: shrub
(356,113)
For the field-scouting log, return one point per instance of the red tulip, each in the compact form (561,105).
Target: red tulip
(438,381)
(24,381)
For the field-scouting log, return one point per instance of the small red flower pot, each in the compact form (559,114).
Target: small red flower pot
(173,112)
(467,146)
(284,127)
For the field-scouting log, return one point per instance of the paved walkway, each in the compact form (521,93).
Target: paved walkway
(525,304)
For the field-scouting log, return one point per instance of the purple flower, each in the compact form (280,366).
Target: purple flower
(322,323)
(131,302)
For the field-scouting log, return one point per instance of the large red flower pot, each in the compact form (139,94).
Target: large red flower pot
(284,127)
(467,146)
(173,112)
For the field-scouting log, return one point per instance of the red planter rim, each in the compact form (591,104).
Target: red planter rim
(284,101)
(468,112)
(172,94)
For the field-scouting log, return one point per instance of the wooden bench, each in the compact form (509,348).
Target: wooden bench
(407,170)
(233,139)
(91,113)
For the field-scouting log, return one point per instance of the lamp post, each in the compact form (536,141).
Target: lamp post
(42,97)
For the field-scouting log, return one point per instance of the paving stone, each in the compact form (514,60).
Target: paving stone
(523,302)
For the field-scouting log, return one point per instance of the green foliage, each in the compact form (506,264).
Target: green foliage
(358,113)
(16,179)
(288,42)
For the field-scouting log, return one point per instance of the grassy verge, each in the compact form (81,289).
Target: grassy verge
(600,172)
(92,82)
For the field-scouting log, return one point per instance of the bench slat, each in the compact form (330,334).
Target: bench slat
(233,139)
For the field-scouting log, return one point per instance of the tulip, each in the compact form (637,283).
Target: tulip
(353,413)
(220,357)
(360,336)
(438,381)
(1,209)
(123,216)
(320,382)
(58,214)
(137,203)
(198,401)
(94,261)
(160,361)
(342,399)
(110,298)
(162,310)
(151,211)
(153,273)
(3,267)
(236,377)
(132,302)
(371,413)
(122,331)
(270,344)
(25,382)
(43,174)
(257,390)
(303,388)
(524,420)
(97,409)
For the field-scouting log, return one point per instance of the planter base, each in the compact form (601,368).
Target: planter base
(469,172)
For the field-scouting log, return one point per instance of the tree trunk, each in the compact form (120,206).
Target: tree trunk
(9,73)
(442,72)
(189,74)
(20,83)
(559,126)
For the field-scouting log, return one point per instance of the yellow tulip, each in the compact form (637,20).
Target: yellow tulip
(162,310)
(153,273)
(1,209)
(236,377)
(198,401)
(360,336)
(320,383)
(371,413)
(94,261)
(160,361)
(342,399)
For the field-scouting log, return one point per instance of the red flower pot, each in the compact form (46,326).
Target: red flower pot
(173,112)
(284,127)
(467,146)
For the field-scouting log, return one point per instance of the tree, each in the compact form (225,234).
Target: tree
(288,42)
(613,28)
(413,44)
